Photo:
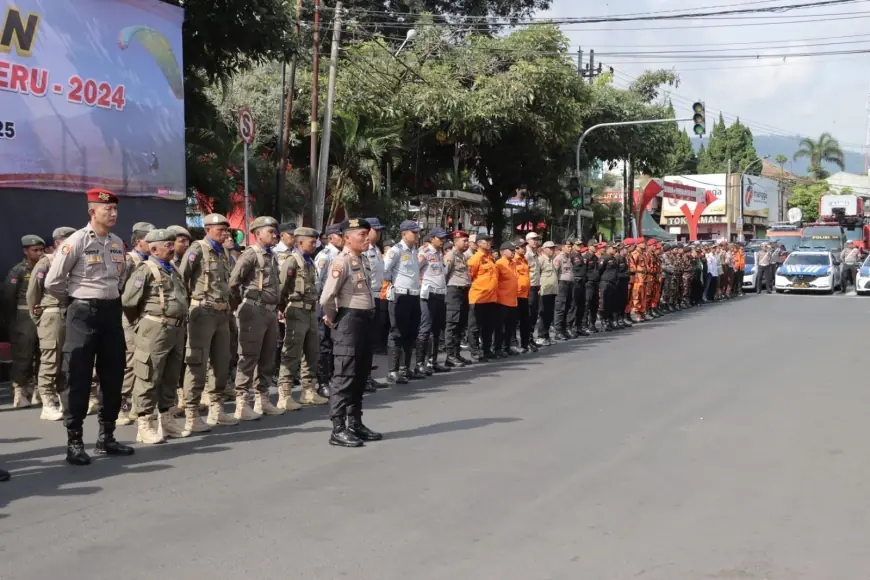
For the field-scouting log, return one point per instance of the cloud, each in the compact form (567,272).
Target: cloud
(795,95)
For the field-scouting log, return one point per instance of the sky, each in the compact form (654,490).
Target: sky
(781,96)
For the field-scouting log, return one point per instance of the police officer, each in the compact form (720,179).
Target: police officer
(532,251)
(25,342)
(577,313)
(349,310)
(433,305)
(458,283)
(402,272)
(622,286)
(593,277)
(298,298)
(90,270)
(155,303)
(48,314)
(205,270)
(565,268)
(182,243)
(254,285)
(287,243)
(322,262)
(376,262)
(609,282)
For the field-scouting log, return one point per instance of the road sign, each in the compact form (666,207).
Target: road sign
(247,125)
(739,222)
(575,202)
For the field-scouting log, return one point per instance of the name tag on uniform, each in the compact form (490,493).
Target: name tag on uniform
(115,258)
(406,257)
(95,259)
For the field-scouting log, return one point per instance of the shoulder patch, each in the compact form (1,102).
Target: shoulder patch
(138,282)
(65,249)
(392,253)
(336,272)
(14,280)
(192,257)
(40,274)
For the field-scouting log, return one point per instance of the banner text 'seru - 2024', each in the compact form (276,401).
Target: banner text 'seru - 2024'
(91,95)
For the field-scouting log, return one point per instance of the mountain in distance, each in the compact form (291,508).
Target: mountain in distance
(773,145)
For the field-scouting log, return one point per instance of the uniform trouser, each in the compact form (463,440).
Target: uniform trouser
(208,341)
(591,304)
(507,322)
(657,292)
(457,317)
(622,291)
(534,304)
(130,343)
(382,323)
(301,345)
(433,317)
(325,361)
(51,331)
(94,336)
(486,318)
(712,286)
(404,322)
(638,294)
(610,298)
(650,291)
(578,304)
(25,348)
(352,336)
(686,288)
(524,321)
(848,276)
(738,282)
(545,319)
(258,337)
(159,351)
(564,299)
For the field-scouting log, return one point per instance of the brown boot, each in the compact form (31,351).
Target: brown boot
(20,399)
(263,406)
(244,411)
(310,397)
(193,424)
(286,401)
(147,434)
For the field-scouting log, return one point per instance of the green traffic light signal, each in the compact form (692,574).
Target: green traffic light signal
(699,118)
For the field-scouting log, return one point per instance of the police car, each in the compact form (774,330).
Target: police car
(862,278)
(809,270)
(751,277)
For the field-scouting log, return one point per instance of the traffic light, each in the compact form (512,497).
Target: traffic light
(699,118)
(574,188)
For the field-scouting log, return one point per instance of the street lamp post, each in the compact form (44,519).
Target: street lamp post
(741,237)
(411,35)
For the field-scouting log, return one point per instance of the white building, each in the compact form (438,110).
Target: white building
(858,183)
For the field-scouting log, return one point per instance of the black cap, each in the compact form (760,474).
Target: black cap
(287,228)
(332,229)
(483,236)
(507,246)
(352,224)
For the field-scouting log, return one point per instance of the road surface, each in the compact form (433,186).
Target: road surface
(728,442)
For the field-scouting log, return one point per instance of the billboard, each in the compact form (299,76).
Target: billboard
(713,185)
(760,195)
(91,95)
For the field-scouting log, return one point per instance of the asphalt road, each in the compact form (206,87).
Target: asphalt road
(728,442)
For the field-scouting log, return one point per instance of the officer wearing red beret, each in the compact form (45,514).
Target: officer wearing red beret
(89,269)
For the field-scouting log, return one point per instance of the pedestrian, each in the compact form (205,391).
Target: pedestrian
(849,257)
(508,287)
(609,282)
(286,242)
(623,280)
(137,254)
(349,310)
(254,286)
(402,271)
(637,270)
(458,285)
(182,243)
(433,305)
(564,299)
(483,298)
(47,313)
(156,305)
(298,298)
(90,269)
(205,271)
(549,291)
(375,257)
(591,298)
(524,285)
(577,312)
(533,252)
(322,261)
(23,334)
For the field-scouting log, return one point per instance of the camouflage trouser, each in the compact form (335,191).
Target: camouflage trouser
(668,289)
(687,286)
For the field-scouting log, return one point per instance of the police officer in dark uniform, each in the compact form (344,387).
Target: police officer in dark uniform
(593,276)
(90,270)
(609,281)
(622,278)
(349,311)
(578,303)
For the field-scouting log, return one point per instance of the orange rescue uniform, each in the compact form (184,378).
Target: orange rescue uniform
(484,278)
(508,283)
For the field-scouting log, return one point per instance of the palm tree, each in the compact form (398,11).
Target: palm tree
(358,148)
(825,150)
(781,160)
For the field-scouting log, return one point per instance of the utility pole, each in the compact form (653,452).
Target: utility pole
(591,65)
(284,147)
(317,225)
(728,197)
(323,170)
(579,61)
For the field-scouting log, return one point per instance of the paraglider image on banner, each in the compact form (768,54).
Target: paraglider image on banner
(92,95)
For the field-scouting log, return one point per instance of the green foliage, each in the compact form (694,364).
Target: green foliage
(806,197)
(732,143)
(825,150)
(781,160)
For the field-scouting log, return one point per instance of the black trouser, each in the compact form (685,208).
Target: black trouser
(486,319)
(508,324)
(545,319)
(457,317)
(353,342)
(433,315)
(93,336)
(609,296)
(404,322)
(621,296)
(524,321)
(534,304)
(325,363)
(564,298)
(697,290)
(382,324)
(711,289)
(578,305)
(591,304)
(766,274)
(848,277)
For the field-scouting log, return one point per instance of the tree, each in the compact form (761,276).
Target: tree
(806,197)
(781,160)
(683,160)
(825,150)
(741,149)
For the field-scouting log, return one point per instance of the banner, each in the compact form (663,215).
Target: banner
(713,185)
(91,95)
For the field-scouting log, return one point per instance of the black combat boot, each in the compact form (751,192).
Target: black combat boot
(627,320)
(584,332)
(455,360)
(4,475)
(342,436)
(422,359)
(107,445)
(75,448)
(412,373)
(433,361)
(395,376)
(371,385)
(363,433)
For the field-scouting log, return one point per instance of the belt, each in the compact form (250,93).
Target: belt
(301,305)
(269,307)
(406,291)
(165,320)
(25,307)
(219,306)
(438,291)
(51,310)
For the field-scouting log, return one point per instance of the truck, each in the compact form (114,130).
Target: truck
(845,211)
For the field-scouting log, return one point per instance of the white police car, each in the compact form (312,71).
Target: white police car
(751,277)
(862,278)
(808,270)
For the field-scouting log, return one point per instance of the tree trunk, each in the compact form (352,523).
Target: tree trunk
(495,217)
(335,199)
